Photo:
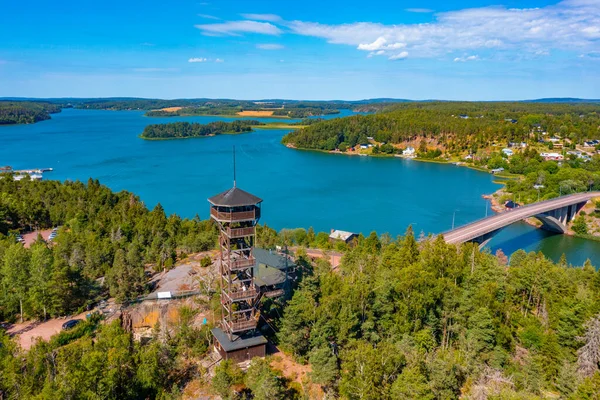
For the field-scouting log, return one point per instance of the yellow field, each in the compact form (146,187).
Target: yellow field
(171,109)
(255,113)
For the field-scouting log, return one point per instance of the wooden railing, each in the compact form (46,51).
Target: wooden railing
(242,294)
(243,325)
(239,232)
(241,263)
(234,216)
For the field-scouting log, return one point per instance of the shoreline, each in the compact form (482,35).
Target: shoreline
(219,115)
(192,137)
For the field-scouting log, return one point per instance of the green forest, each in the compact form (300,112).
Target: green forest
(403,319)
(101,234)
(398,319)
(25,112)
(184,130)
(481,125)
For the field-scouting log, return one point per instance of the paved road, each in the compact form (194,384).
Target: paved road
(490,224)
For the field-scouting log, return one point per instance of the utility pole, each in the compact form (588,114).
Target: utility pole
(453,216)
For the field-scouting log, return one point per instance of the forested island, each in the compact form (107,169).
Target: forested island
(396,319)
(25,112)
(185,130)
(218,107)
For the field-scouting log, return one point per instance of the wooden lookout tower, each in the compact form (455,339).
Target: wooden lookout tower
(237,212)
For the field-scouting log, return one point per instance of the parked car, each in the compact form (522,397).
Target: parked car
(70,323)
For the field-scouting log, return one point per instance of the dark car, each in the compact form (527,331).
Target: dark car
(71,323)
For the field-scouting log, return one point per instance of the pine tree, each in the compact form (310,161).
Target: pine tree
(40,271)
(15,278)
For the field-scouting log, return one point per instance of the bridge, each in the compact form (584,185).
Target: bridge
(554,214)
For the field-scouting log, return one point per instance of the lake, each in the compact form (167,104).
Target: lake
(299,188)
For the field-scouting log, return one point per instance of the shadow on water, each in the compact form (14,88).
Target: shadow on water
(521,240)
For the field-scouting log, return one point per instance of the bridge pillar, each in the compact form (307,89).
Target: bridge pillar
(557,220)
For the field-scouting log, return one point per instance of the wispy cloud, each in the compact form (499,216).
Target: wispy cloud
(466,58)
(262,17)
(147,44)
(204,60)
(571,25)
(419,10)
(592,54)
(234,28)
(207,16)
(269,46)
(399,56)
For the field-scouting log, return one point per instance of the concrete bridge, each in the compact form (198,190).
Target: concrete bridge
(554,214)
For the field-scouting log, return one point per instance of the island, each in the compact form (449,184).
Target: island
(185,130)
(546,150)
(25,112)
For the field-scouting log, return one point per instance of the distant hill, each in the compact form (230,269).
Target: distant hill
(78,100)
(563,100)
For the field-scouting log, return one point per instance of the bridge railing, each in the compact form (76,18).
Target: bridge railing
(591,194)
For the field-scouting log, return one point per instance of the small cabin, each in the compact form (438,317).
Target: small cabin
(239,348)
(343,236)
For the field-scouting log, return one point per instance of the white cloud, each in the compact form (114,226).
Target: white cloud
(234,28)
(376,45)
(207,16)
(399,56)
(419,10)
(571,25)
(466,58)
(262,17)
(204,60)
(269,46)
(379,47)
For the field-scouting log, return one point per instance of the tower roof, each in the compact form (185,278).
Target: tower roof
(234,197)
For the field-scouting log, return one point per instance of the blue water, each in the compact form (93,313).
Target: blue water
(299,188)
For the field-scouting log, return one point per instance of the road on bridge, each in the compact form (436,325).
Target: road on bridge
(496,222)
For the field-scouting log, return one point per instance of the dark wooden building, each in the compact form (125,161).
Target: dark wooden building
(239,348)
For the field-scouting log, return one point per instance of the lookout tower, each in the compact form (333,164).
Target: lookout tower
(237,212)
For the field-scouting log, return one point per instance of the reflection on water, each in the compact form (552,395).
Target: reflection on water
(524,236)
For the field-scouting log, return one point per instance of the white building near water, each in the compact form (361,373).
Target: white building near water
(409,152)
(508,152)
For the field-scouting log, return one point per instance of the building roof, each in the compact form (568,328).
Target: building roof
(238,342)
(341,235)
(268,276)
(272,259)
(234,197)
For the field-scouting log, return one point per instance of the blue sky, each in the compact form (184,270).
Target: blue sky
(468,50)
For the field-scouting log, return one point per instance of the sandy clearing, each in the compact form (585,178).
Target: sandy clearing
(171,109)
(26,332)
(255,113)
(31,237)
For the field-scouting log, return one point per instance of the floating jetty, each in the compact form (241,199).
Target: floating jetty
(18,174)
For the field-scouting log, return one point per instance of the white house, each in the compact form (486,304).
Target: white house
(409,152)
(552,156)
(508,152)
